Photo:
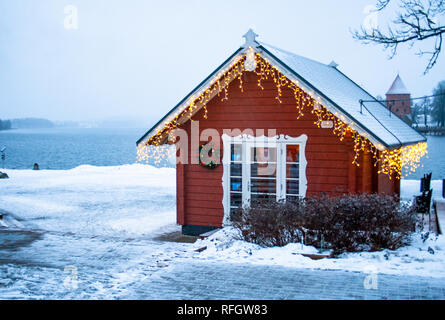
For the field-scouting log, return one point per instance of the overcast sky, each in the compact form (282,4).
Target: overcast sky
(137,59)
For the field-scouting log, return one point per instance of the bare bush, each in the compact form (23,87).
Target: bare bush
(350,223)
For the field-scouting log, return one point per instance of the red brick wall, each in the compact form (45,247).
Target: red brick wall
(399,107)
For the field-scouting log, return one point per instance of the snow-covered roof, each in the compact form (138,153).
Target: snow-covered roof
(337,93)
(345,95)
(398,87)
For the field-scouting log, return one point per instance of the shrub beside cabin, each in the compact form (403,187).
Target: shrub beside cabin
(283,126)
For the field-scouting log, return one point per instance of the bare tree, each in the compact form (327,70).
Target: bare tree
(416,110)
(421,109)
(438,104)
(417,21)
(425,109)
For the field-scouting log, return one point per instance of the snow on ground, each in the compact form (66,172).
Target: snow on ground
(99,224)
(133,199)
(421,258)
(409,188)
(95,222)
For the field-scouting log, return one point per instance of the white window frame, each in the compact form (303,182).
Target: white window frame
(280,142)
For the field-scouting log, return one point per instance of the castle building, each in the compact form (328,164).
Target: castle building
(398,99)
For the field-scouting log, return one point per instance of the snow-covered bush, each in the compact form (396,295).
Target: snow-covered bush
(270,223)
(364,222)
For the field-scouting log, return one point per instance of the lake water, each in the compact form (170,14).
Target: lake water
(67,148)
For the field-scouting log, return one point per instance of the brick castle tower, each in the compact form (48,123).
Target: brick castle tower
(398,99)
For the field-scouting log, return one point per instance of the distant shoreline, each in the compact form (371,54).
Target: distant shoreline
(22,123)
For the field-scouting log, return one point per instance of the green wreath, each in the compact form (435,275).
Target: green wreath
(208,156)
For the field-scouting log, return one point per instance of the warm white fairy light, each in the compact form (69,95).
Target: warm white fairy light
(391,162)
(158,155)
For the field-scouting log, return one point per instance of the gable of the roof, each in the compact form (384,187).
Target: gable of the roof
(337,93)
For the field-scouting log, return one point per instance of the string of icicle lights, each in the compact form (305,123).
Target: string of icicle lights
(391,162)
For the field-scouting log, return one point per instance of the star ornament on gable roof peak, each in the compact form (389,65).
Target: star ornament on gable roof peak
(250,39)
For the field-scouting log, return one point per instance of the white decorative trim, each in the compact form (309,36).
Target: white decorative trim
(279,141)
(226,178)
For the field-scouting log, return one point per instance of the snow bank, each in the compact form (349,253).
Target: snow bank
(129,199)
(421,258)
(410,188)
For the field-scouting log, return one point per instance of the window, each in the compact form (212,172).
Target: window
(262,168)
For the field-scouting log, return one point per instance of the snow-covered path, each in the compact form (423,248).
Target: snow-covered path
(225,280)
(86,232)
(64,267)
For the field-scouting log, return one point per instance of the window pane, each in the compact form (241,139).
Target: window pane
(263,185)
(292,187)
(292,171)
(262,196)
(235,184)
(263,169)
(235,169)
(235,199)
(236,152)
(292,153)
(264,154)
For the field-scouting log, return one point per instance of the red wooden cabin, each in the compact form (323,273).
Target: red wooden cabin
(285,127)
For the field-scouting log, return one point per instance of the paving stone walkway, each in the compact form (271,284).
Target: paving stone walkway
(216,280)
